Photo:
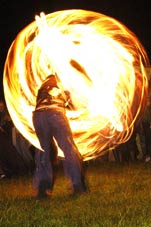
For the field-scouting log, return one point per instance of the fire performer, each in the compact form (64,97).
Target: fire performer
(51,124)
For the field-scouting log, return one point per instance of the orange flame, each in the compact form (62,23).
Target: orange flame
(97,58)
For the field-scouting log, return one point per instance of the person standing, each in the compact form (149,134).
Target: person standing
(145,126)
(11,162)
(5,120)
(52,126)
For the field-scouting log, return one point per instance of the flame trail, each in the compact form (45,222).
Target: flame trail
(97,58)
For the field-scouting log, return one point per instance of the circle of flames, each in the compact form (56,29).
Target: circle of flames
(97,58)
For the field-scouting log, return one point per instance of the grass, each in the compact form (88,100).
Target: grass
(120,196)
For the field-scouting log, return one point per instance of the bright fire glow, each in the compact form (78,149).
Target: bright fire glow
(97,58)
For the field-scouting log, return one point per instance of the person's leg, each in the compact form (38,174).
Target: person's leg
(116,154)
(43,177)
(147,134)
(42,171)
(53,153)
(73,159)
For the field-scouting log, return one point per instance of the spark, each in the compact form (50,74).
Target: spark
(97,58)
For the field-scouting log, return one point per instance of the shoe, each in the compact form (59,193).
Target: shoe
(147,159)
(49,192)
(42,190)
(41,196)
(80,188)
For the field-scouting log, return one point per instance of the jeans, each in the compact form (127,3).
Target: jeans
(52,124)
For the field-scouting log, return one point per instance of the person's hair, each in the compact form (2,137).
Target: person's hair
(2,101)
(50,76)
(51,80)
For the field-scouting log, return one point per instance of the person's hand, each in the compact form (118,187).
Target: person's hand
(1,129)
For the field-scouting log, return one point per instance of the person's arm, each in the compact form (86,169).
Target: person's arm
(69,102)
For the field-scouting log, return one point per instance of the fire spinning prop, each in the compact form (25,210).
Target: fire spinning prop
(97,58)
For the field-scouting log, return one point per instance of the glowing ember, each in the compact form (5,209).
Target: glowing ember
(97,58)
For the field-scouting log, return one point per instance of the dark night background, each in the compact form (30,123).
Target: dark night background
(15,15)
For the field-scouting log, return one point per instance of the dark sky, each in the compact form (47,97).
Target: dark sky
(15,15)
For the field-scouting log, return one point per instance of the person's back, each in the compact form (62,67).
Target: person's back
(50,95)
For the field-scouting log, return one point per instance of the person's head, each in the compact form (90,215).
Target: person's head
(52,80)
(2,105)
(51,76)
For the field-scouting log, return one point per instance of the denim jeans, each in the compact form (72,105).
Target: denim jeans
(49,124)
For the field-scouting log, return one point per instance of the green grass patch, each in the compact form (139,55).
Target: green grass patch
(120,196)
